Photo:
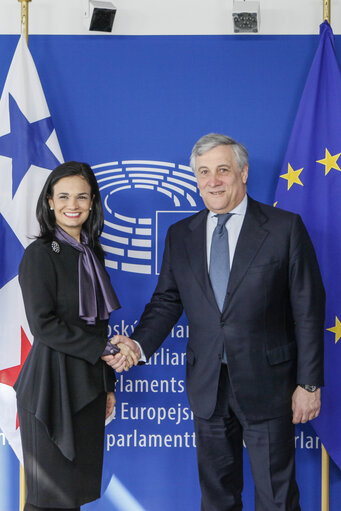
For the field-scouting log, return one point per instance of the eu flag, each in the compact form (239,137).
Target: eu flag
(310,184)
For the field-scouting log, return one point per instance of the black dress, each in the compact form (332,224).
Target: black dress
(61,390)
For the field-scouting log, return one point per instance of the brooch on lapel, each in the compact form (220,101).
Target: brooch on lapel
(55,247)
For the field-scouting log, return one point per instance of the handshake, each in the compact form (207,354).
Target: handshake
(128,355)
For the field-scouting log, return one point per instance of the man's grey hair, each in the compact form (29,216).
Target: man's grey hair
(208,142)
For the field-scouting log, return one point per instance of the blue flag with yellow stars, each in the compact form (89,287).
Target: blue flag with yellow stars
(310,184)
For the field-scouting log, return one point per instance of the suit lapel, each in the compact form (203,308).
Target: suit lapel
(251,238)
(196,248)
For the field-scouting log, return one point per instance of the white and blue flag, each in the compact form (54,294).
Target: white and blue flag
(29,150)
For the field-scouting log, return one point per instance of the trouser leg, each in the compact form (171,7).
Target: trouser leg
(220,456)
(271,450)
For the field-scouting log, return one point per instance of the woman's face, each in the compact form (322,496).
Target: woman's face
(71,202)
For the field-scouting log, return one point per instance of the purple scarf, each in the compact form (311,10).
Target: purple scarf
(97,299)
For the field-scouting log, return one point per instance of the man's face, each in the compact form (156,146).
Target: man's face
(221,183)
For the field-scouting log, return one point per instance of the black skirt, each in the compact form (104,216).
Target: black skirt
(52,480)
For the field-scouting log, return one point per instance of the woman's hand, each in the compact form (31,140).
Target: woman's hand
(111,401)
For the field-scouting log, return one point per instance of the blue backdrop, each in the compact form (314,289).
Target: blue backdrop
(133,107)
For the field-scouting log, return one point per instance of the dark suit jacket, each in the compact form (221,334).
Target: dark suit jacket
(63,371)
(272,321)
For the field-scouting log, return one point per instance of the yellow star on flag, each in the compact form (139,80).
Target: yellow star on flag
(336,329)
(292,176)
(329,162)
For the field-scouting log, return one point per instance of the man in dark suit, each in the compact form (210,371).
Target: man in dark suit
(251,288)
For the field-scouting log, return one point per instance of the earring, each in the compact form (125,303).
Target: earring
(90,209)
(51,209)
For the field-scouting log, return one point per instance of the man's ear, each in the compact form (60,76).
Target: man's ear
(245,174)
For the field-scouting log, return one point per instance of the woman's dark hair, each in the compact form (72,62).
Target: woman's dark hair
(93,226)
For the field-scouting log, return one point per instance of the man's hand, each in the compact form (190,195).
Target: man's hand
(111,401)
(305,405)
(132,345)
(129,354)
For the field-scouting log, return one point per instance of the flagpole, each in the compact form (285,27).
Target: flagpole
(24,18)
(24,31)
(22,488)
(324,479)
(324,454)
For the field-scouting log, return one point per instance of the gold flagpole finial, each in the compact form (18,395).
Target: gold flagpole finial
(326,10)
(24,17)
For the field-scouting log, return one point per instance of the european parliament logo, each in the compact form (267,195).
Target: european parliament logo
(141,199)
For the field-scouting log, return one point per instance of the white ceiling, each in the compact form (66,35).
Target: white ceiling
(170,17)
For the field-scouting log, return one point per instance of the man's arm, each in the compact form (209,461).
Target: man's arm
(165,307)
(307,297)
(158,318)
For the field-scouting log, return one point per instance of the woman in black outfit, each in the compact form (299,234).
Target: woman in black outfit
(65,390)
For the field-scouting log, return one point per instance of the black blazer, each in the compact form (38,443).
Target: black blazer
(63,371)
(272,321)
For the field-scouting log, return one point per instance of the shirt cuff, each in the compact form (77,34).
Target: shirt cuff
(143,357)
